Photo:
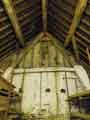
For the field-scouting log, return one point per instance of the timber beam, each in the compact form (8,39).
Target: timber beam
(75,48)
(76,20)
(88,54)
(13,18)
(44,15)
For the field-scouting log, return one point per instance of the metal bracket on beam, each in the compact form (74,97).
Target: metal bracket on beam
(13,18)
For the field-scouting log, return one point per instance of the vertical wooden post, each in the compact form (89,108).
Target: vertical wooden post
(57,94)
(75,49)
(10,89)
(40,91)
(67,117)
(22,84)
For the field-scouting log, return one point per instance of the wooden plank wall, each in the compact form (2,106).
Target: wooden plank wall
(45,54)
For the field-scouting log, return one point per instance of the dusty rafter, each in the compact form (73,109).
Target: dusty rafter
(75,48)
(76,20)
(88,53)
(13,18)
(44,14)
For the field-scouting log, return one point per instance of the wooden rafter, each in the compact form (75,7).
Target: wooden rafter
(75,48)
(76,20)
(27,49)
(44,14)
(20,56)
(88,54)
(13,18)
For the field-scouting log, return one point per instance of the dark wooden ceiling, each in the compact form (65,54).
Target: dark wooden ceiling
(28,14)
(60,14)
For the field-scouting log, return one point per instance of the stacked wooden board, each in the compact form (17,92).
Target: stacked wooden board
(9,100)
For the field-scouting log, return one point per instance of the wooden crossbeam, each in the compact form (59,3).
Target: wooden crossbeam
(43,69)
(81,115)
(44,14)
(76,20)
(13,18)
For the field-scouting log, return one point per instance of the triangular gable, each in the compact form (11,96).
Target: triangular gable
(46,52)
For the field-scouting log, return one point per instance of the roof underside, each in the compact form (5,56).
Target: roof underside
(28,13)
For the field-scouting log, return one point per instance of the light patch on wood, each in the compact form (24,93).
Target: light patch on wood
(36,56)
(59,59)
(52,54)
(44,53)
(28,59)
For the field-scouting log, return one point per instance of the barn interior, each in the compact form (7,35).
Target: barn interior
(45,59)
